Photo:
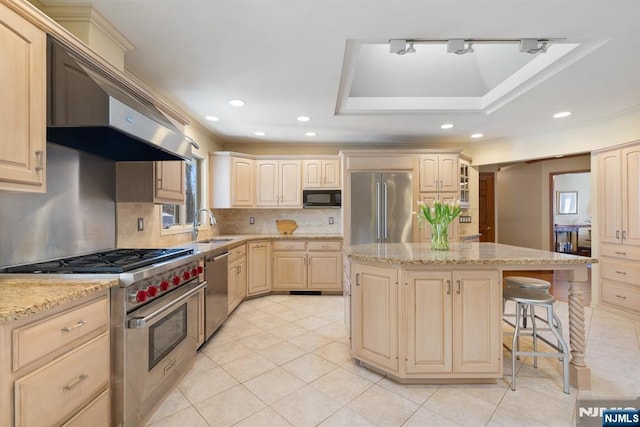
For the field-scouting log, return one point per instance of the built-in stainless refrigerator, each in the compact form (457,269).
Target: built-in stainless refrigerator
(381,207)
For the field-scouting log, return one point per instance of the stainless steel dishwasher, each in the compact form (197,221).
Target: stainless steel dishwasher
(216,304)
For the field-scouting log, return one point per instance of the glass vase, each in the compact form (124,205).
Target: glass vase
(440,236)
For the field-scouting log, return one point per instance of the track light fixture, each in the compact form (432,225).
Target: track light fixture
(462,46)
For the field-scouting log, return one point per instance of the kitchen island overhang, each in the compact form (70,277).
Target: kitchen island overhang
(399,288)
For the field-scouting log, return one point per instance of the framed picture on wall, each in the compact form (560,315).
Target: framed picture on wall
(567,202)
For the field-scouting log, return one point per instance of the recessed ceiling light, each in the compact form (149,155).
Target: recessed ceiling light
(212,118)
(304,118)
(477,135)
(310,133)
(446,126)
(259,133)
(562,114)
(237,102)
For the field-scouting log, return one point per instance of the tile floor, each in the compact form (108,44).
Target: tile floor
(283,360)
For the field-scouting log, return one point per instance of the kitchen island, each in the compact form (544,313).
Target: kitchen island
(420,315)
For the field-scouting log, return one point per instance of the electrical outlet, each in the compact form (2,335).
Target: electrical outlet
(330,220)
(252,220)
(465,219)
(140,224)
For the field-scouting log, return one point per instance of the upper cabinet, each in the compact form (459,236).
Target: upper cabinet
(464,184)
(278,183)
(439,173)
(619,202)
(231,179)
(155,182)
(23,107)
(321,173)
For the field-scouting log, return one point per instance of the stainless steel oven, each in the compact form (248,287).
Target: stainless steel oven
(161,340)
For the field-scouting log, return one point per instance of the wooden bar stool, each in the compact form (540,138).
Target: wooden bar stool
(535,298)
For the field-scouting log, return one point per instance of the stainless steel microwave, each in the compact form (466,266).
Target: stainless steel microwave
(321,198)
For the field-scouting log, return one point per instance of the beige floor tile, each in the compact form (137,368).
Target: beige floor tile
(492,393)
(335,352)
(275,309)
(282,353)
(313,322)
(229,407)
(197,386)
(346,417)
(306,407)
(383,407)
(506,418)
(227,352)
(334,330)
(543,406)
(266,417)
(288,330)
(310,341)
(424,417)
(261,340)
(366,373)
(248,367)
(341,385)
(460,407)
(187,417)
(309,367)
(175,402)
(291,315)
(274,385)
(417,393)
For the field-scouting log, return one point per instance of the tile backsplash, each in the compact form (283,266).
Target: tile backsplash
(310,221)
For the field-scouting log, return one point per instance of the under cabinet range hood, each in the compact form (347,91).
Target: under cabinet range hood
(91,112)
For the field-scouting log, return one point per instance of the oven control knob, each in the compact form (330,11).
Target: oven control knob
(164,285)
(152,291)
(175,280)
(194,272)
(200,269)
(141,295)
(186,275)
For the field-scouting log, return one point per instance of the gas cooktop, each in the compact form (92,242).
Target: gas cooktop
(112,261)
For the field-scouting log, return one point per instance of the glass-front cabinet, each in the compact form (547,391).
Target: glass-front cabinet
(464,183)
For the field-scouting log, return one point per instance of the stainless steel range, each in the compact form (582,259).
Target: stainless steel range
(154,320)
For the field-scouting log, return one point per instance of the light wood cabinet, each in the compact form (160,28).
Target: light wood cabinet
(259,267)
(374,315)
(151,182)
(237,276)
(439,173)
(425,229)
(23,108)
(619,215)
(56,366)
(278,183)
(465,184)
(321,173)
(312,265)
(231,180)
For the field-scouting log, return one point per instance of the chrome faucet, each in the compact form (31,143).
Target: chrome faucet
(212,221)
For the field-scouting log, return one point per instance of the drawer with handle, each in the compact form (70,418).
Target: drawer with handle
(621,295)
(324,246)
(56,391)
(298,245)
(620,251)
(627,272)
(35,340)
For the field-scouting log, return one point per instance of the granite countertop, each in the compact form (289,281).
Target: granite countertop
(460,253)
(209,244)
(22,296)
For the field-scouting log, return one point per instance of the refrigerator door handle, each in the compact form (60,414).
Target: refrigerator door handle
(385,211)
(378,211)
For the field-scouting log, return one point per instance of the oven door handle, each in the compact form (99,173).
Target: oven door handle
(141,322)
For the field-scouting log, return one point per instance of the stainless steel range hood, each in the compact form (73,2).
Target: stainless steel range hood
(91,112)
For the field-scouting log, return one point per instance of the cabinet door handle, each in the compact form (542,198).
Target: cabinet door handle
(617,234)
(448,287)
(459,286)
(81,378)
(40,156)
(620,296)
(357,279)
(624,234)
(78,324)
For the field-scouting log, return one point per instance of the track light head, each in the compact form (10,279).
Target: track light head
(399,47)
(533,46)
(457,46)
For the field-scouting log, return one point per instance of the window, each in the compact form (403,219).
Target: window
(182,215)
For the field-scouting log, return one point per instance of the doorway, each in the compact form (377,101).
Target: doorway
(486,207)
(570,212)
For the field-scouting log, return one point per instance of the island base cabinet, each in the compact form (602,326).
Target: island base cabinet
(374,296)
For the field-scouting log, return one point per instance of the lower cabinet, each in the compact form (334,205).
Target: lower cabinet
(237,277)
(312,265)
(55,366)
(426,323)
(620,279)
(259,267)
